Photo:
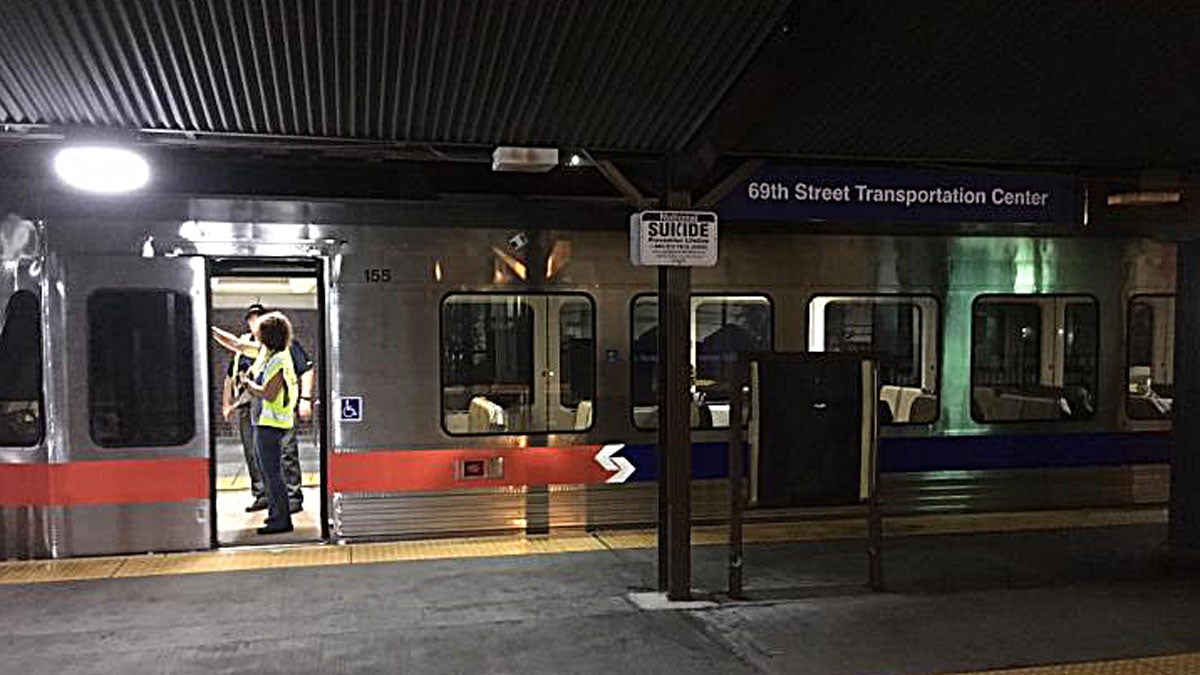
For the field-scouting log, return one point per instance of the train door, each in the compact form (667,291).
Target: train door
(567,353)
(240,289)
(135,439)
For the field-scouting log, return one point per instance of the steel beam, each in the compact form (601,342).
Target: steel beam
(675,424)
(1184,527)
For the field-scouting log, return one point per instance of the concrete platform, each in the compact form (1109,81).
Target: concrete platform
(955,603)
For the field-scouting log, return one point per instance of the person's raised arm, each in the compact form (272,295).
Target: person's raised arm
(234,343)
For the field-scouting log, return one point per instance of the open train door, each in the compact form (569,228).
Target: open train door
(135,442)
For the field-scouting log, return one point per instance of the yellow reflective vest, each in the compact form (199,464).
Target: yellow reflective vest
(278,412)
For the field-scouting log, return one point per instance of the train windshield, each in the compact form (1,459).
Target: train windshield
(21,362)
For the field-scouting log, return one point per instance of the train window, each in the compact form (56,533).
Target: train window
(21,419)
(517,363)
(902,331)
(1034,357)
(1151,357)
(577,354)
(140,368)
(722,327)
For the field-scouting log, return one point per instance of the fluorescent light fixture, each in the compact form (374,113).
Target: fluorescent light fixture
(528,160)
(1145,198)
(104,169)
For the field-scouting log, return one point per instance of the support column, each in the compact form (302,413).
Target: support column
(675,425)
(1184,529)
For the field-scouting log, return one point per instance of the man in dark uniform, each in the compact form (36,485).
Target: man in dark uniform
(292,475)
(235,401)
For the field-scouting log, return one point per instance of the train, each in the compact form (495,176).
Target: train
(485,379)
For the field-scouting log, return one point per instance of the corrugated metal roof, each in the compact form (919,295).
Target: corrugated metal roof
(1103,82)
(635,75)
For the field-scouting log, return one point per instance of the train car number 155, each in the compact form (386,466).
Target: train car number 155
(377,275)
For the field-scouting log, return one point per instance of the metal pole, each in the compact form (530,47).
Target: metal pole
(1183,528)
(737,484)
(674,423)
(874,505)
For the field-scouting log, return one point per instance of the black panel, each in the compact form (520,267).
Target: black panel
(810,429)
(140,368)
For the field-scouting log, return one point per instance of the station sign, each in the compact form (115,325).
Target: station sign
(863,195)
(673,238)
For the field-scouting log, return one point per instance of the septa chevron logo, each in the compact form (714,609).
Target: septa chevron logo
(624,469)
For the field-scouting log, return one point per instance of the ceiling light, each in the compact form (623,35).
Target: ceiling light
(1145,198)
(507,158)
(102,168)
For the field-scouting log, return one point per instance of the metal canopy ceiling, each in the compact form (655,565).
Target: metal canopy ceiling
(1098,83)
(630,76)
(1107,83)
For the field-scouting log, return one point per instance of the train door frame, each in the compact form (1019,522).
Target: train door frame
(258,266)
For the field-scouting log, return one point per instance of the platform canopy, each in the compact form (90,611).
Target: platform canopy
(1111,84)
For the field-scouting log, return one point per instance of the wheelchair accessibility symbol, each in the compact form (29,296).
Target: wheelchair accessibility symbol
(352,408)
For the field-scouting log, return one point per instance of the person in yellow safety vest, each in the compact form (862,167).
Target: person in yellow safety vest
(273,383)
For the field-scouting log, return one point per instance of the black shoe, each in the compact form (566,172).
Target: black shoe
(259,504)
(295,507)
(275,529)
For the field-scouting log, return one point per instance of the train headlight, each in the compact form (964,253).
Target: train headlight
(102,168)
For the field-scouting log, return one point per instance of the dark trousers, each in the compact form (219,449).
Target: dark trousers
(270,454)
(291,466)
(250,450)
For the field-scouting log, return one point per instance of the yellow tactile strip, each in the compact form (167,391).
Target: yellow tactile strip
(77,569)
(1179,664)
(242,482)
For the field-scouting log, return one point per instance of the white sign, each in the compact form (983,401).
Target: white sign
(678,238)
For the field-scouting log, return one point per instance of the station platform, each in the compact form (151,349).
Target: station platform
(1060,592)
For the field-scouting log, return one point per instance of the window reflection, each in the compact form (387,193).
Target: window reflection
(722,328)
(901,332)
(1034,358)
(517,363)
(1151,354)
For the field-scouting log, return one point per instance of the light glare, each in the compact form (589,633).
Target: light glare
(103,169)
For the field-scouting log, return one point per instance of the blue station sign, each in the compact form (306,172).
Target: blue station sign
(800,193)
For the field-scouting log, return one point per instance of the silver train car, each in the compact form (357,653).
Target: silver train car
(481,380)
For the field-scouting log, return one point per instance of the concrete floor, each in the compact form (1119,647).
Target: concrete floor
(954,603)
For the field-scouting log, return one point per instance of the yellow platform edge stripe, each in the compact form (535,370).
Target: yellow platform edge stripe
(1174,664)
(243,559)
(241,482)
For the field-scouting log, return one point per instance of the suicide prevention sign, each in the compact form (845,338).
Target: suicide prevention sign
(675,238)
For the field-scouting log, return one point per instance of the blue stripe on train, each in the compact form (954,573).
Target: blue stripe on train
(941,453)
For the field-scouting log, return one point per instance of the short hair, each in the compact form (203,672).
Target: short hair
(275,331)
(255,310)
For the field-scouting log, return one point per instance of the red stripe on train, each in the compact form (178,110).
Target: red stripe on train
(120,481)
(416,470)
